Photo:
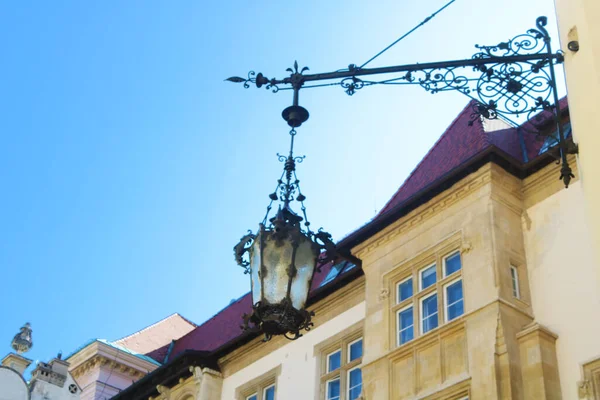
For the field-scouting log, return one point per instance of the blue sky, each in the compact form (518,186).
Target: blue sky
(129,168)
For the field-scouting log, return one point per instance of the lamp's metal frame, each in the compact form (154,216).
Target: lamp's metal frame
(508,80)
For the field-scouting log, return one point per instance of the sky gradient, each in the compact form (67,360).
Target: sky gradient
(129,168)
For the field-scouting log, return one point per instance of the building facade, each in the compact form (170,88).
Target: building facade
(103,368)
(476,281)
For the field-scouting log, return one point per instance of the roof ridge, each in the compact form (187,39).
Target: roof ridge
(435,145)
(153,325)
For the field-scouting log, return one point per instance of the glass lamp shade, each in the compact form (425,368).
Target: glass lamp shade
(282,265)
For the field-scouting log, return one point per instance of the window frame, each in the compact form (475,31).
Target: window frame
(335,378)
(514,282)
(339,350)
(332,345)
(446,305)
(420,273)
(259,385)
(437,311)
(264,391)
(406,279)
(447,256)
(413,268)
(360,339)
(398,328)
(348,380)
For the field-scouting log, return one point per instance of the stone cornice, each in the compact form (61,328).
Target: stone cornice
(444,200)
(98,348)
(99,361)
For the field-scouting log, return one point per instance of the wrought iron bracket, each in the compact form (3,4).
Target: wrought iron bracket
(510,79)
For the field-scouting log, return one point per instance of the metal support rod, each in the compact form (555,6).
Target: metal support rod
(470,62)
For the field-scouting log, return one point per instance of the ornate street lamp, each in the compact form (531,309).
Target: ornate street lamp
(284,254)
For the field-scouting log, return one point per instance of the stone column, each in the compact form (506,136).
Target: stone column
(539,366)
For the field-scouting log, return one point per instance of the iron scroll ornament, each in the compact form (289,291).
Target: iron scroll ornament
(510,79)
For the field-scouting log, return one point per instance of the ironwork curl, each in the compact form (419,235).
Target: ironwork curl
(351,85)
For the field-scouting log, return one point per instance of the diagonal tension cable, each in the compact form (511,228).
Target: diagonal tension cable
(426,20)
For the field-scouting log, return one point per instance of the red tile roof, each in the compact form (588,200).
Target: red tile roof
(461,142)
(223,327)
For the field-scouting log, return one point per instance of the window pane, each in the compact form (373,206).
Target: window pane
(515,281)
(334,361)
(354,383)
(405,290)
(454,300)
(356,350)
(405,325)
(428,277)
(333,389)
(452,263)
(252,397)
(430,313)
(269,393)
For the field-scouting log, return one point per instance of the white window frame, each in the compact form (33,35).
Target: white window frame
(255,395)
(348,381)
(267,388)
(514,281)
(421,276)
(341,361)
(398,301)
(445,294)
(399,329)
(444,263)
(422,325)
(348,350)
(337,378)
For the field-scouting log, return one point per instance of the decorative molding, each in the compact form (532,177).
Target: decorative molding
(433,207)
(466,247)
(543,183)
(384,293)
(583,389)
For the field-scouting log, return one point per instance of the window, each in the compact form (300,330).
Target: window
(454,300)
(333,389)
(428,276)
(342,377)
(334,361)
(452,264)
(269,393)
(514,274)
(405,325)
(429,313)
(355,350)
(354,383)
(405,290)
(429,292)
(336,271)
(261,388)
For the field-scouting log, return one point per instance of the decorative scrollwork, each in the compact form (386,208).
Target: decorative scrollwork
(240,250)
(258,79)
(533,42)
(277,319)
(351,85)
(441,80)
